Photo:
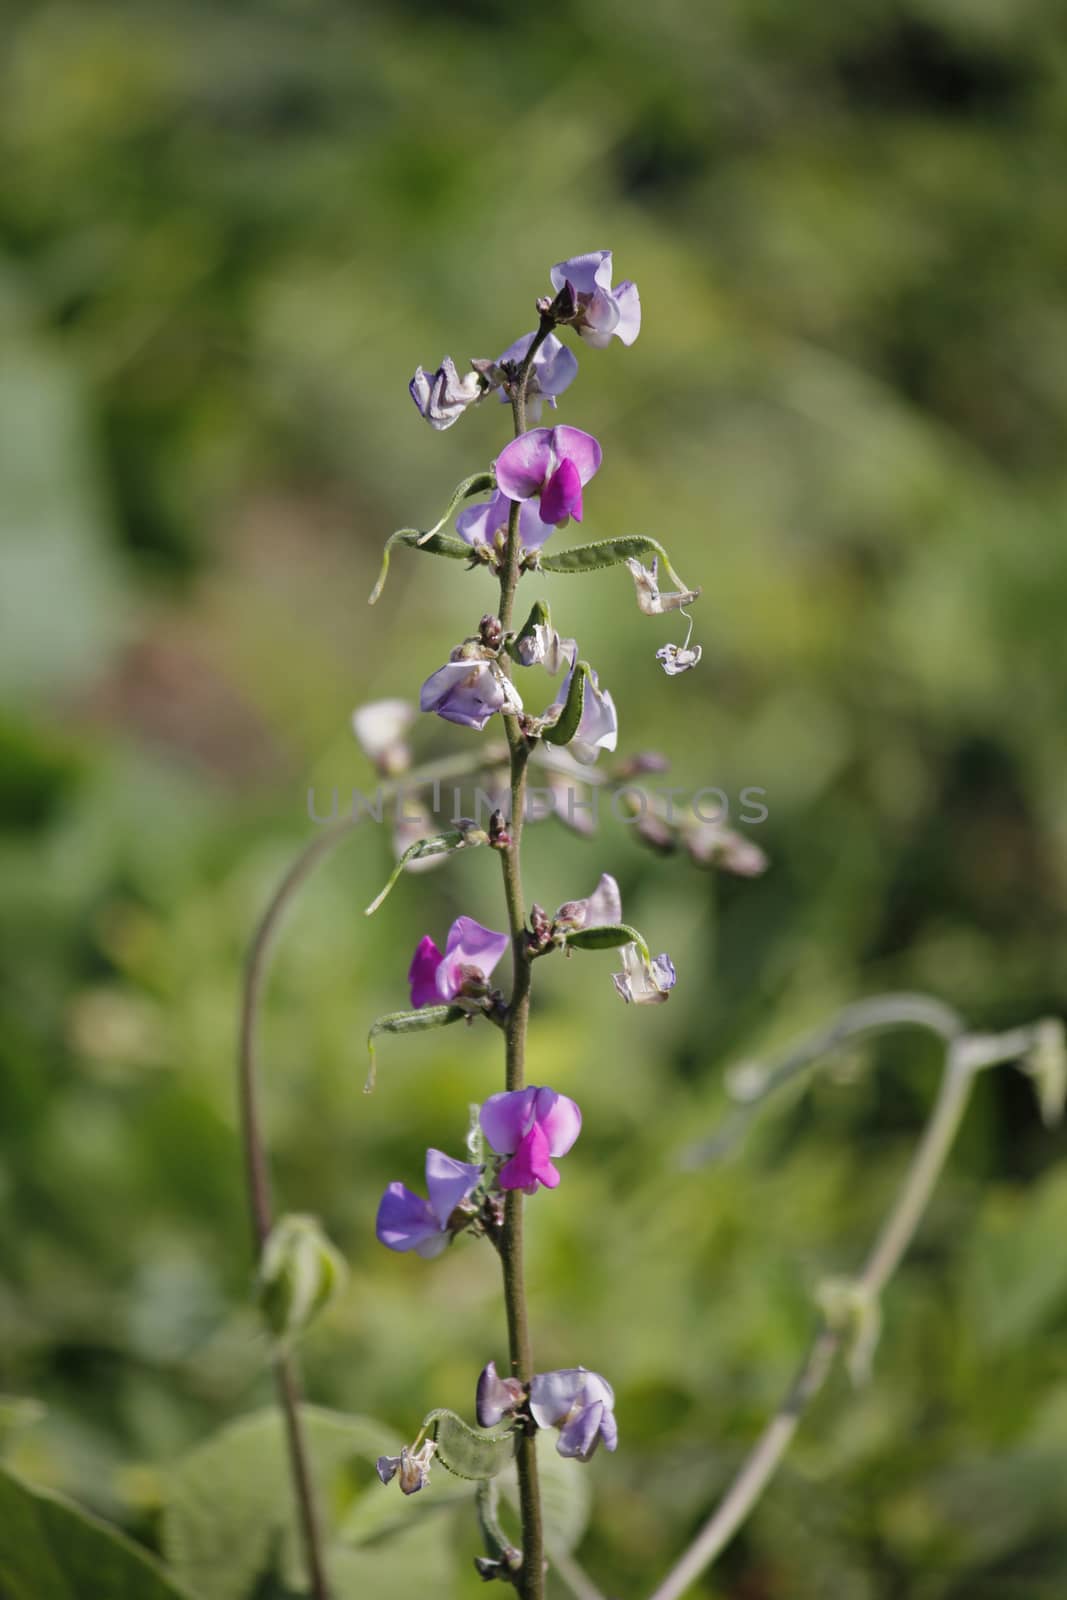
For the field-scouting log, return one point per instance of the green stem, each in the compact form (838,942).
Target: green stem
(966,1056)
(530,1584)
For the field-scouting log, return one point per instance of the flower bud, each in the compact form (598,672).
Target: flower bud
(490,631)
(497,1397)
(299,1273)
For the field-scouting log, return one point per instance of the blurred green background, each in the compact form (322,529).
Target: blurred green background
(230,234)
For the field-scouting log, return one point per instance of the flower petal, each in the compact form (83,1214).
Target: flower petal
(406,1222)
(580,1434)
(449,1182)
(585,273)
(469,945)
(480,523)
(506,1117)
(573,444)
(531,1164)
(629,303)
(523,466)
(561,497)
(552,1395)
(560,1118)
(465,692)
(497,1397)
(422,974)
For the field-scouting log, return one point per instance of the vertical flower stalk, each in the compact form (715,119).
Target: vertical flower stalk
(531,1576)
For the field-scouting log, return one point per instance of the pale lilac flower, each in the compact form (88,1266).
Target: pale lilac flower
(497,1397)
(471,953)
(650,599)
(598,727)
(644,982)
(482,523)
(554,369)
(581,1404)
(543,647)
(676,658)
(412,1465)
(710,845)
(379,728)
(408,1222)
(443,396)
(552,465)
(531,1126)
(469,692)
(602,312)
(600,909)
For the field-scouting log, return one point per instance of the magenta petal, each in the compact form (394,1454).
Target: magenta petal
(422,974)
(449,1182)
(405,1221)
(524,464)
(573,444)
(562,495)
(505,1118)
(530,1165)
(560,1118)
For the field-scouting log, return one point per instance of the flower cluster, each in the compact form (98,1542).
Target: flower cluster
(505,518)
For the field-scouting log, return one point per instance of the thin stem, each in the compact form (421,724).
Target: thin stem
(966,1055)
(754,1085)
(531,1579)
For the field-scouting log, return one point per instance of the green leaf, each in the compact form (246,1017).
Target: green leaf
(432,539)
(609,936)
(608,553)
(566,726)
(50,1549)
(469,1452)
(408,1022)
(229,1504)
(436,844)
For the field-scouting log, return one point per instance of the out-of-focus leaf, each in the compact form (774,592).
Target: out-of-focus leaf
(50,1549)
(229,1502)
(566,1494)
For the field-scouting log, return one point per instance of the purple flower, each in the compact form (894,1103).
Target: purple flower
(408,1222)
(602,312)
(530,1126)
(443,396)
(471,953)
(412,1465)
(598,910)
(468,691)
(480,524)
(497,1397)
(552,465)
(581,1404)
(644,982)
(554,369)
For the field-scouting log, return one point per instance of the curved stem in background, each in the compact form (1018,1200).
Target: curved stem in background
(966,1056)
(257,1171)
(755,1084)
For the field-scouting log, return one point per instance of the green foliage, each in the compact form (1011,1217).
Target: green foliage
(50,1549)
(234,233)
(467,1452)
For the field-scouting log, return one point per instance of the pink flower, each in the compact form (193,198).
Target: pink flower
(531,1126)
(552,465)
(471,953)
